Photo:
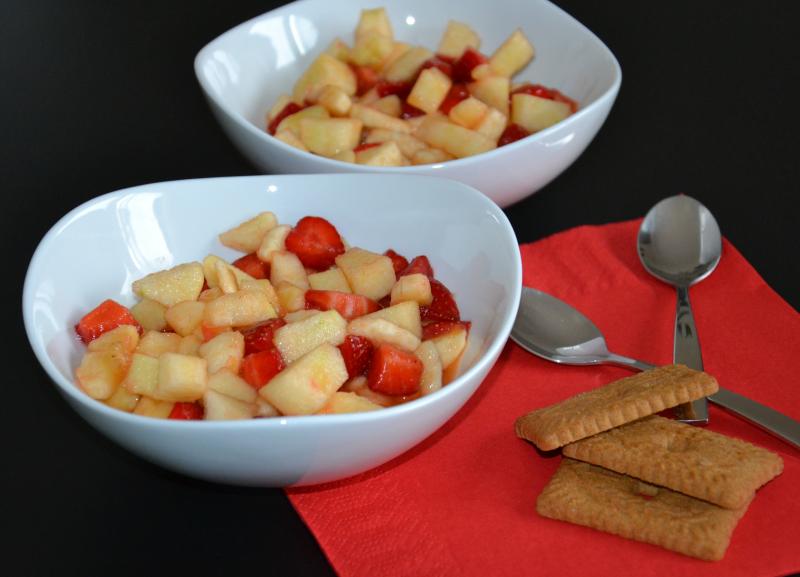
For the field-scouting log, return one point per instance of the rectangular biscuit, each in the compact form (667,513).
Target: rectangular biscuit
(692,460)
(613,405)
(594,497)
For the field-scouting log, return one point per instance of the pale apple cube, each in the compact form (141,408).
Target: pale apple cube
(229,383)
(101,372)
(330,136)
(149,407)
(469,112)
(224,351)
(295,339)
(181,378)
(335,100)
(156,343)
(274,241)
(265,409)
(211,266)
(210,294)
(368,273)
(398,50)
(380,331)
(142,376)
(149,314)
(371,51)
(266,287)
(431,379)
(339,49)
(226,277)
(326,70)
(286,267)
(492,124)
(385,154)
(409,145)
(247,236)
(344,402)
(512,55)
(185,317)
(292,122)
(431,156)
(219,407)
(123,400)
(300,315)
(429,90)
(180,283)
(404,314)
(412,287)
(345,156)
(332,279)
(239,309)
(391,105)
(125,337)
(373,22)
(456,39)
(481,71)
(534,113)
(370,97)
(492,90)
(450,345)
(278,107)
(291,297)
(359,385)
(405,68)
(190,344)
(372,118)
(292,139)
(457,140)
(305,386)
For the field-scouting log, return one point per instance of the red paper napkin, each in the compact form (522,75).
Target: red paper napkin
(463,502)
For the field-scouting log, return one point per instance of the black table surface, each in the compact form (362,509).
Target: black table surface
(97,96)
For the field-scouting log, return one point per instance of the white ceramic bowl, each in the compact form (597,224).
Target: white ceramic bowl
(99,248)
(245,70)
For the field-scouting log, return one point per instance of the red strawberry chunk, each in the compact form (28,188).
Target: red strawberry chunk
(187,412)
(512,133)
(366,78)
(457,93)
(260,337)
(357,353)
(409,111)
(462,69)
(106,316)
(366,146)
(419,265)
(315,241)
(348,305)
(252,265)
(443,307)
(287,110)
(394,371)
(259,368)
(386,88)
(399,262)
(437,328)
(545,92)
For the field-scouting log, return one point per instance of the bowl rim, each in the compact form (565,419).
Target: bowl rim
(70,389)
(334,165)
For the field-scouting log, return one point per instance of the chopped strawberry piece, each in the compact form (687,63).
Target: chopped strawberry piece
(545,92)
(399,262)
(457,93)
(439,62)
(104,317)
(386,88)
(438,328)
(260,337)
(187,412)
(348,305)
(512,133)
(394,371)
(443,307)
(462,69)
(409,111)
(366,78)
(210,332)
(315,241)
(357,353)
(385,301)
(259,368)
(419,264)
(287,110)
(366,146)
(252,265)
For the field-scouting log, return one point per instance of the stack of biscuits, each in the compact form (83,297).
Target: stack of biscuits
(629,472)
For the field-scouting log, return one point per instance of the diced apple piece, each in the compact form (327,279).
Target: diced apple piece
(492,124)
(278,107)
(330,136)
(534,113)
(211,266)
(305,386)
(181,378)
(155,343)
(286,267)
(412,287)
(450,345)
(431,156)
(373,22)
(345,156)
(185,317)
(266,287)
(371,51)
(142,377)
(332,279)
(335,100)
(429,90)
(452,138)
(405,68)
(380,331)
(300,315)
(324,71)
(368,274)
(492,90)
(360,386)
(372,118)
(292,122)
(291,297)
(398,50)
(275,240)
(226,277)
(431,379)
(125,337)
(224,351)
(481,71)
(512,55)
(265,409)
(149,407)
(344,402)
(385,154)
(291,138)
(339,49)
(180,283)
(190,344)
(123,400)
(391,105)
(219,407)
(469,112)
(296,339)
(457,38)
(210,294)
(409,145)
(101,372)
(247,236)
(149,314)
(242,308)
(229,383)
(404,314)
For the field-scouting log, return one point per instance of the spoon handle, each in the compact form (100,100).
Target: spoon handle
(687,352)
(760,415)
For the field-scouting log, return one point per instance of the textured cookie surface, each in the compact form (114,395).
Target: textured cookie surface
(594,497)
(688,459)
(613,405)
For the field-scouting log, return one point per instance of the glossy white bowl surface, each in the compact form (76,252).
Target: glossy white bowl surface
(98,249)
(243,72)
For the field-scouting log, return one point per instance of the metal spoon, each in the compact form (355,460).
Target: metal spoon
(680,243)
(553,330)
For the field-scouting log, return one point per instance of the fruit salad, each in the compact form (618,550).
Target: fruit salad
(301,324)
(382,102)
